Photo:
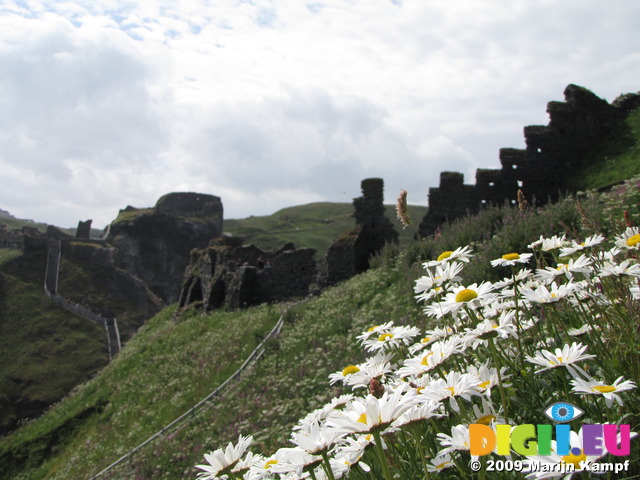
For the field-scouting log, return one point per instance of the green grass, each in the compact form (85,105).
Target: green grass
(44,350)
(615,159)
(315,225)
(167,367)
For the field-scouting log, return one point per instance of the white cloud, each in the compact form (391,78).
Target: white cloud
(268,104)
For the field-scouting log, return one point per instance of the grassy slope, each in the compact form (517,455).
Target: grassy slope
(616,158)
(116,410)
(167,367)
(44,350)
(314,225)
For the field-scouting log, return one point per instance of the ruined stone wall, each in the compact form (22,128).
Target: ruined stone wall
(237,276)
(540,170)
(351,252)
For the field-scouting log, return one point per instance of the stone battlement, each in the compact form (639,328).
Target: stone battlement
(540,170)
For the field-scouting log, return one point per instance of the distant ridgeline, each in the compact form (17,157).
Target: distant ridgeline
(541,169)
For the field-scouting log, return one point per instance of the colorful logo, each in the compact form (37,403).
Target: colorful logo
(529,439)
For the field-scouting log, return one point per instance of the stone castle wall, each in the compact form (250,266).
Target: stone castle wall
(539,170)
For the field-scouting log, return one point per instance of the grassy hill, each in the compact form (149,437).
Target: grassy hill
(616,158)
(314,225)
(44,350)
(170,364)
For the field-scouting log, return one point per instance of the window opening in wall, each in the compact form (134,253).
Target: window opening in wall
(520,182)
(491,184)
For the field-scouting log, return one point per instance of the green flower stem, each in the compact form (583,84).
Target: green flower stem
(381,456)
(327,466)
(517,317)
(503,395)
(312,474)
(417,438)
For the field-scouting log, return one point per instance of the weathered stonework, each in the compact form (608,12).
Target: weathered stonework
(154,244)
(540,170)
(229,274)
(351,252)
(84,229)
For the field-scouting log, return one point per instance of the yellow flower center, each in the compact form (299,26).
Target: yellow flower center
(633,241)
(511,256)
(385,336)
(362,418)
(486,419)
(559,359)
(348,370)
(425,340)
(466,295)
(270,463)
(444,255)
(419,390)
(452,390)
(484,384)
(372,328)
(604,388)
(425,359)
(575,459)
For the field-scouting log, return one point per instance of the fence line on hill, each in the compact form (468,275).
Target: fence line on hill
(51,275)
(253,357)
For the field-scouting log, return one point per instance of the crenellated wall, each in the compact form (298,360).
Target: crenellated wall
(540,170)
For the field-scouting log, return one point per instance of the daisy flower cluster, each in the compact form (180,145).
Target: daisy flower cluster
(562,324)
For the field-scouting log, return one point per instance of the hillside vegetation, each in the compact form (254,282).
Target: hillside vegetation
(179,357)
(314,225)
(169,365)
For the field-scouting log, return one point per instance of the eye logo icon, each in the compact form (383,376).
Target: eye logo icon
(563,412)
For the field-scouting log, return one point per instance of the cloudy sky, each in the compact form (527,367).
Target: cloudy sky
(273,103)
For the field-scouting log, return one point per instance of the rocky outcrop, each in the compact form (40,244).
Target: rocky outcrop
(542,168)
(154,244)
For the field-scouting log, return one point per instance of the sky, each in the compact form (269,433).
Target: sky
(274,103)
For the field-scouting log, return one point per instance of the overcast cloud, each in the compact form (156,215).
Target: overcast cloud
(273,103)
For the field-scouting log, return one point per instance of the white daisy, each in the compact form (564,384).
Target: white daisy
(363,415)
(576,247)
(462,254)
(609,392)
(429,337)
(427,360)
(567,355)
(458,440)
(543,294)
(471,296)
(440,462)
(395,336)
(580,265)
(223,460)
(548,244)
(630,239)
(511,259)
(625,268)
(446,272)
